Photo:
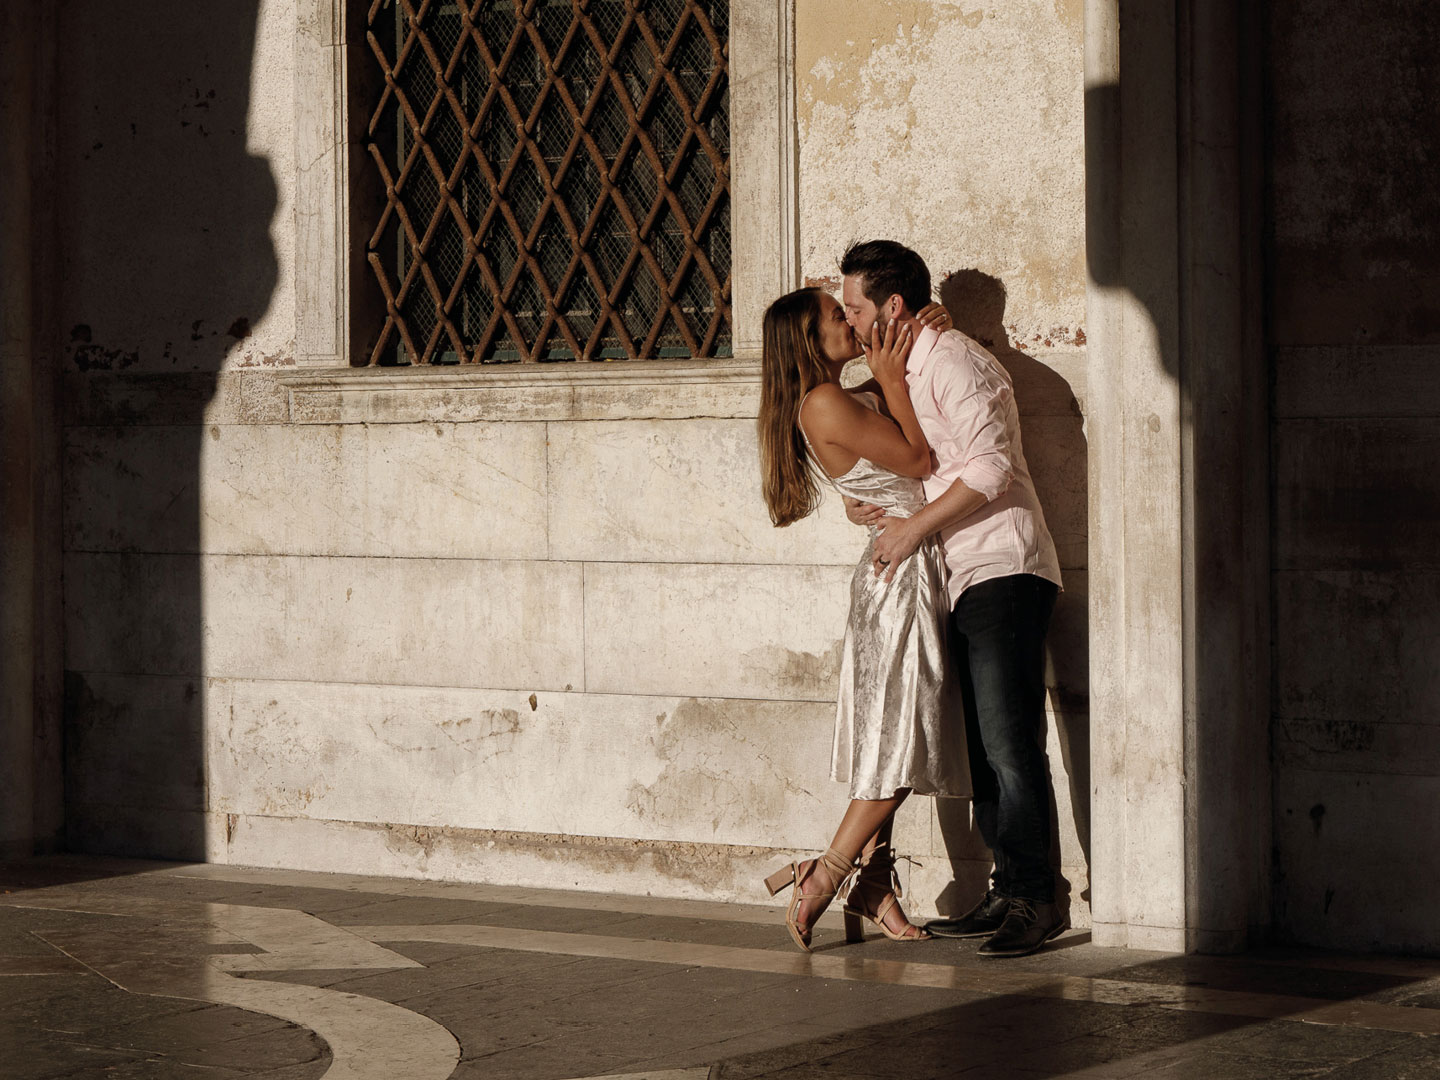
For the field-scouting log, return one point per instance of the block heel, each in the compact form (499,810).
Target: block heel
(841,872)
(781,879)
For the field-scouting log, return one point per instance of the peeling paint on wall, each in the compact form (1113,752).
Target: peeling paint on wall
(955,128)
(694,772)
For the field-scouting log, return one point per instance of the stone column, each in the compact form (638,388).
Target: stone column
(30,803)
(765,244)
(1178,472)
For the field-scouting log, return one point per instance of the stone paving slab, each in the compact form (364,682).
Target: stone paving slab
(119,968)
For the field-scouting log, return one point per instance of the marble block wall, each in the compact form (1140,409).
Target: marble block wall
(564,652)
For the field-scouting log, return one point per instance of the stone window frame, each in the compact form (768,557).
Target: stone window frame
(765,243)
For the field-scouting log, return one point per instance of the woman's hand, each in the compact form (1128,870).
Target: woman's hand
(935,316)
(886,356)
(861,513)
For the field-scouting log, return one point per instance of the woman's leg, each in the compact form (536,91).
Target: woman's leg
(863,820)
(876,883)
(881,835)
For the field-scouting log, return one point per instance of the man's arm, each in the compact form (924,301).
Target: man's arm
(899,537)
(976,407)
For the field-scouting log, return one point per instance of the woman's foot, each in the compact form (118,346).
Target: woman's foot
(876,896)
(816,882)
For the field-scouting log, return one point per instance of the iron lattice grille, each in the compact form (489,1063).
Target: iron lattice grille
(556,177)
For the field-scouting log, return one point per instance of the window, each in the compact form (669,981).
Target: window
(554,179)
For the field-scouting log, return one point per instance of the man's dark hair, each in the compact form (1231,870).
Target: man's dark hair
(886,268)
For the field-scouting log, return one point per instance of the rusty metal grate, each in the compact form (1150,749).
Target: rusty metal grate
(556,177)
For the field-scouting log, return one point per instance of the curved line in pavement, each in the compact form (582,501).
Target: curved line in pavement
(370,1039)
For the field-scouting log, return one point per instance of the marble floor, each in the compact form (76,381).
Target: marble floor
(122,969)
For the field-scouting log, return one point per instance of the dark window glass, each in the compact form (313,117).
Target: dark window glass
(554,179)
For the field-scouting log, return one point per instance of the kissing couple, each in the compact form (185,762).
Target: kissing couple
(942,674)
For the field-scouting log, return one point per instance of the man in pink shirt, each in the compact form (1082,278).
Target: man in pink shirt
(1004,577)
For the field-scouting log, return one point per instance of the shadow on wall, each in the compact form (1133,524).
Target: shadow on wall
(1055,449)
(166,263)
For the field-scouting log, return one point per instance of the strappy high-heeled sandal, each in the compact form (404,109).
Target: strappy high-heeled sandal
(841,871)
(877,871)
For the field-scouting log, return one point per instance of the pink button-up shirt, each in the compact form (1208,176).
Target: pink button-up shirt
(966,406)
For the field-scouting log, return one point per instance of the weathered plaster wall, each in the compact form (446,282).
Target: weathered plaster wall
(1355,315)
(524,633)
(957,126)
(377,651)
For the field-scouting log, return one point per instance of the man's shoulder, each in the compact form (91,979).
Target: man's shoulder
(958,358)
(961,346)
(970,354)
(962,367)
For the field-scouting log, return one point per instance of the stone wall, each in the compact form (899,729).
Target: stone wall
(957,128)
(526,627)
(1355,325)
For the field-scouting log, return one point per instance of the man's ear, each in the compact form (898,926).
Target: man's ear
(894,306)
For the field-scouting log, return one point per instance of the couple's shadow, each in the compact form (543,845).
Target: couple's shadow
(1055,450)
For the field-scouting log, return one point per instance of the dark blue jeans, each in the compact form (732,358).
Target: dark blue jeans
(998,635)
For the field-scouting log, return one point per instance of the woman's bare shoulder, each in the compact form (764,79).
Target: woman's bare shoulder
(827,409)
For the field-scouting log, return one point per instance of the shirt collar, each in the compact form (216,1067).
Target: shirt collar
(919,358)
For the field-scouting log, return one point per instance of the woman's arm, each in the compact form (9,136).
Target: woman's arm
(933,316)
(887,363)
(843,430)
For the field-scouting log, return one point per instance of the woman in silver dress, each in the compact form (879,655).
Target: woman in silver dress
(897,724)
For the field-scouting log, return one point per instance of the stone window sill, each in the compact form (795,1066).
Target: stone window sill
(614,390)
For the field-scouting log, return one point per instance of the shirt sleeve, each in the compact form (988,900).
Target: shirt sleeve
(976,403)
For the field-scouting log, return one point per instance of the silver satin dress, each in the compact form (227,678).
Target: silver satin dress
(899,720)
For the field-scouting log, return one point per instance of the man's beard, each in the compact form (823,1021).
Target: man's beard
(881,322)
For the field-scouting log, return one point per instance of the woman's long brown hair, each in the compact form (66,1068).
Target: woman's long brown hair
(791,365)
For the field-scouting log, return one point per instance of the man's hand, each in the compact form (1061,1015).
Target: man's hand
(861,513)
(897,541)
